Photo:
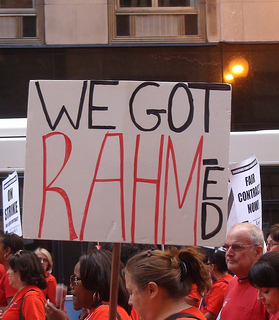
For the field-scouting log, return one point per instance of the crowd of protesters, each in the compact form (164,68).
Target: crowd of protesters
(239,280)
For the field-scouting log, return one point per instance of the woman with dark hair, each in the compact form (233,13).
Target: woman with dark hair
(272,238)
(219,273)
(9,244)
(90,287)
(26,275)
(264,275)
(158,282)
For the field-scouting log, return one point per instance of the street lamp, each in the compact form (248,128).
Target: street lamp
(238,67)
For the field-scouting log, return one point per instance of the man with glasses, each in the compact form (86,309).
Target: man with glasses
(272,242)
(243,246)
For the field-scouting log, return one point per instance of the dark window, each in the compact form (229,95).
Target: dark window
(22,21)
(135,3)
(173,3)
(157,21)
(13,4)
(270,194)
(191,24)
(123,25)
(29,27)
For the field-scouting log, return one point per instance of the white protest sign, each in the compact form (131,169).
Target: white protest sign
(127,161)
(11,206)
(246,187)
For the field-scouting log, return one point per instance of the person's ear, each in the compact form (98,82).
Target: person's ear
(7,253)
(259,251)
(153,289)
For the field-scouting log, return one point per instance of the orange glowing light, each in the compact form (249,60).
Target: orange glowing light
(229,77)
(238,69)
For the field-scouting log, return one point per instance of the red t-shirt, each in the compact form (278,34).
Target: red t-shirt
(215,297)
(2,270)
(102,312)
(50,290)
(6,290)
(274,316)
(134,314)
(195,295)
(33,306)
(240,302)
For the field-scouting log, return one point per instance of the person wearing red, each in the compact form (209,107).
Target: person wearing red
(134,314)
(219,273)
(244,246)
(246,301)
(264,275)
(26,275)
(158,282)
(90,287)
(2,270)
(47,263)
(102,312)
(193,311)
(9,244)
(274,316)
(193,298)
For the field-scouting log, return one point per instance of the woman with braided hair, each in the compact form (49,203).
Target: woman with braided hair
(158,281)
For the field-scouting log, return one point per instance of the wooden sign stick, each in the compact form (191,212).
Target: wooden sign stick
(114,280)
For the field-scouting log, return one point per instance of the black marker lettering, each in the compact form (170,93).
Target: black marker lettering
(92,108)
(207,87)
(191,111)
(211,234)
(206,182)
(63,109)
(155,112)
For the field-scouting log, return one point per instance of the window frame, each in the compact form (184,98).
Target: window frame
(114,10)
(38,11)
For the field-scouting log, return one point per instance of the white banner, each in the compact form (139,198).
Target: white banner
(127,161)
(246,188)
(11,206)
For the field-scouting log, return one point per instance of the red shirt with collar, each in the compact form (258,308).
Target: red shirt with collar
(240,302)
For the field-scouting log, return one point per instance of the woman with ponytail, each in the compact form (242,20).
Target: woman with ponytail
(158,282)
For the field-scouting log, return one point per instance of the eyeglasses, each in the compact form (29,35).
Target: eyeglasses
(271,244)
(74,281)
(237,247)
